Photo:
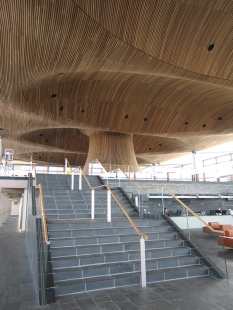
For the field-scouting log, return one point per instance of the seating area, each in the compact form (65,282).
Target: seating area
(177,213)
(218,212)
(224,231)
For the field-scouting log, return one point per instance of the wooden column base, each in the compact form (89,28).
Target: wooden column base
(112,149)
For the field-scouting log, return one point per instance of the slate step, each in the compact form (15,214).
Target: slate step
(94,259)
(85,216)
(56,234)
(72,241)
(93,224)
(117,268)
(131,278)
(117,247)
(79,205)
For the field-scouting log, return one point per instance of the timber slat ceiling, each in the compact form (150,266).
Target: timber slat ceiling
(159,70)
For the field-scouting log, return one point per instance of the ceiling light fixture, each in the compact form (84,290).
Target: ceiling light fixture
(210,47)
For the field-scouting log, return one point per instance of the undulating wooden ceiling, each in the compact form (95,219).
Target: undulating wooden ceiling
(159,70)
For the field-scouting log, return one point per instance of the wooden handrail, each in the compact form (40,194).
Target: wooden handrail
(43,214)
(71,170)
(42,205)
(120,205)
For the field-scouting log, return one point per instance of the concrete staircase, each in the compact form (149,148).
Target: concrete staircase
(95,254)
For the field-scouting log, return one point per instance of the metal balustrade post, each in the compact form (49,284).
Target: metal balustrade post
(188,224)
(162,200)
(24,211)
(139,201)
(80,180)
(109,206)
(72,181)
(20,212)
(143,262)
(92,204)
(65,165)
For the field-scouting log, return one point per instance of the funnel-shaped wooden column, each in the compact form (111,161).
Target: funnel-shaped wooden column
(113,150)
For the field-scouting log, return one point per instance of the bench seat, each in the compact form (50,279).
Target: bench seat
(226,241)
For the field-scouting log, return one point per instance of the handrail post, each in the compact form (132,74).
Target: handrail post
(80,179)
(109,206)
(24,211)
(162,200)
(92,204)
(65,165)
(143,262)
(72,180)
(20,212)
(139,202)
(188,223)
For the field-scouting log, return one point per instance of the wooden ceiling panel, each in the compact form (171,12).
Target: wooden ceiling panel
(161,70)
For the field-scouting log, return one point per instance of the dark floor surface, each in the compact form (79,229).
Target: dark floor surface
(17,290)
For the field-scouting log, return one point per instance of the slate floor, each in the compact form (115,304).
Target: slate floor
(17,290)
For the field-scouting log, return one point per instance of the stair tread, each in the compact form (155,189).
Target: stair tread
(106,254)
(117,243)
(116,264)
(108,236)
(124,275)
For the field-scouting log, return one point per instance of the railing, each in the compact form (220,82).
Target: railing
(38,242)
(71,171)
(142,236)
(120,205)
(147,209)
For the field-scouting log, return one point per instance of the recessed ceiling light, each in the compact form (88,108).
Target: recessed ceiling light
(210,47)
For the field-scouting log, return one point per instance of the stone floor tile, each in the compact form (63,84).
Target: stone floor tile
(108,305)
(69,306)
(86,303)
(129,305)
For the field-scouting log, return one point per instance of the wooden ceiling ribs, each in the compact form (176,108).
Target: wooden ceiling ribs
(141,69)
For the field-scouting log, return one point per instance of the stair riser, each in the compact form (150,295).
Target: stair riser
(106,239)
(85,272)
(57,232)
(96,249)
(118,257)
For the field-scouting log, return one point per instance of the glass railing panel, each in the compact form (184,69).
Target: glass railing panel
(205,243)
(43,244)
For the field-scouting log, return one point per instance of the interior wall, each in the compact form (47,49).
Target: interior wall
(14,208)
(5,208)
